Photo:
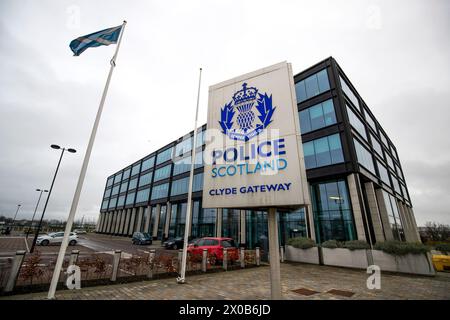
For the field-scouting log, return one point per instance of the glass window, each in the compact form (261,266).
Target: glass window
(230,223)
(183,147)
(126,174)
(160,191)
(104,204)
(179,186)
(389,161)
(364,156)
(182,165)
(115,190)
(396,185)
(123,186)
(162,173)
(317,116)
(135,169)
(121,201)
(349,93)
(109,182)
(384,139)
(200,138)
(405,193)
(143,195)
(312,86)
(399,172)
(145,179)
(130,198)
(332,211)
(384,175)
(356,123)
(394,218)
(148,163)
(112,203)
(117,177)
(108,193)
(370,120)
(376,145)
(164,156)
(198,160)
(198,182)
(203,221)
(133,184)
(323,151)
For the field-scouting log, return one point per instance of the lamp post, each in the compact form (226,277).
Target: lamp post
(53,146)
(35,209)
(12,223)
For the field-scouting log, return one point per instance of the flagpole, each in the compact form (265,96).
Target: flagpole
(182,277)
(76,197)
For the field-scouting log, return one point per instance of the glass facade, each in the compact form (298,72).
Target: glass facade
(121,201)
(203,221)
(164,156)
(181,166)
(162,173)
(183,147)
(312,86)
(133,184)
(148,163)
(256,229)
(323,152)
(356,123)
(291,224)
(349,93)
(364,156)
(160,191)
(376,145)
(135,169)
(177,220)
(370,120)
(384,175)
(162,222)
(143,195)
(394,217)
(130,198)
(145,179)
(317,116)
(230,224)
(333,218)
(126,173)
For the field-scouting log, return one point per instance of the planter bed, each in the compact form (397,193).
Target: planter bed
(310,255)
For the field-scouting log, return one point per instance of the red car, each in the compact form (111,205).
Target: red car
(215,248)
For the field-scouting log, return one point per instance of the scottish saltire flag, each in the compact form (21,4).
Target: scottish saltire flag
(99,38)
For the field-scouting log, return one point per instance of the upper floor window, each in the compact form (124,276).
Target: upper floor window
(148,163)
(162,173)
(312,86)
(317,116)
(117,177)
(182,165)
(130,198)
(121,201)
(115,190)
(376,145)
(126,174)
(145,179)
(349,93)
(143,195)
(123,186)
(322,152)
(109,182)
(356,123)
(164,156)
(104,204)
(364,156)
(200,138)
(370,120)
(183,147)
(384,175)
(160,191)
(135,169)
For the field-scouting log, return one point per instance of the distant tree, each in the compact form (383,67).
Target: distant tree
(434,231)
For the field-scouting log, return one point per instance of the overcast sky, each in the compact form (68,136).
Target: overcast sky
(396,53)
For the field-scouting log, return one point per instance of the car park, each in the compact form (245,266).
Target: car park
(56,238)
(80,231)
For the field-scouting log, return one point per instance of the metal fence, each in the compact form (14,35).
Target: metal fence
(33,272)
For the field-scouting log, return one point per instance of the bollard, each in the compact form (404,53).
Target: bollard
(204,258)
(281,253)
(151,260)
(242,257)
(117,254)
(225,258)
(74,257)
(257,256)
(17,264)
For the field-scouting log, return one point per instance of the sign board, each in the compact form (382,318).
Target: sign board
(253,155)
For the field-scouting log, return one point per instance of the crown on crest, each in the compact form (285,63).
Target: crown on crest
(245,95)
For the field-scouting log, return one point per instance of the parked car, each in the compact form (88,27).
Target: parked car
(56,237)
(174,243)
(80,231)
(215,248)
(141,238)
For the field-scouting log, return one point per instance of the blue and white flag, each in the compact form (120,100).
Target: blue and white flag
(99,38)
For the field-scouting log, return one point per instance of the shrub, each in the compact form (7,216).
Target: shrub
(331,244)
(301,243)
(399,248)
(443,247)
(356,245)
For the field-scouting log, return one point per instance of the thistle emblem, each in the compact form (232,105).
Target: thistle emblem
(248,125)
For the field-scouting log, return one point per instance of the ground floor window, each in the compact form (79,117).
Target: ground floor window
(394,216)
(162,223)
(291,224)
(333,216)
(177,220)
(230,224)
(256,230)
(203,221)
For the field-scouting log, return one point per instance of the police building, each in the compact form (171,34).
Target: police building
(354,177)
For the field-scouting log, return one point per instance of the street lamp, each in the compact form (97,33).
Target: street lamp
(53,146)
(35,209)
(18,207)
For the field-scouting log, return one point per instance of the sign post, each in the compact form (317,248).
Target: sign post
(253,155)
